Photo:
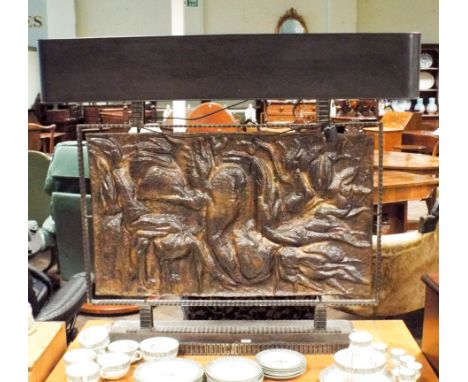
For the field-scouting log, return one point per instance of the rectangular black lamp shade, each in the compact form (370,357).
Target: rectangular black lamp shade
(275,66)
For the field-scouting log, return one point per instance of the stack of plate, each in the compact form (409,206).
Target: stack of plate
(281,363)
(233,369)
(169,370)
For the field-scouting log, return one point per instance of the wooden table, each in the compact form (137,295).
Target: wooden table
(46,346)
(399,187)
(410,162)
(394,333)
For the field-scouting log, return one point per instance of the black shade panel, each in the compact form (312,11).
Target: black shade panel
(275,66)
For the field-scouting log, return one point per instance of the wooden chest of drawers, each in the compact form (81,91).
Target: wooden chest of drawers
(284,112)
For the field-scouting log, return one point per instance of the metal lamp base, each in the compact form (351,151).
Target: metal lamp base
(241,337)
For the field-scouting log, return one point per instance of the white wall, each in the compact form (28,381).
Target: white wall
(34,84)
(60,24)
(400,16)
(342,16)
(99,18)
(261,16)
(61,20)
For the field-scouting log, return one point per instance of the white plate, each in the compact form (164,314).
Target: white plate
(426,81)
(284,376)
(234,369)
(169,370)
(333,374)
(281,359)
(425,60)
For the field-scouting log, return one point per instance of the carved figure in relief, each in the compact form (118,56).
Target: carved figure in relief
(206,215)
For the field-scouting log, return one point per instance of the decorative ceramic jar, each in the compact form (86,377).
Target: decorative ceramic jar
(431,107)
(419,107)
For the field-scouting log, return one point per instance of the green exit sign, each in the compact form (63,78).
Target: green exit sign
(191,3)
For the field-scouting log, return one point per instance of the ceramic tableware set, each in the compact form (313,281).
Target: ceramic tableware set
(404,366)
(98,357)
(281,363)
(365,361)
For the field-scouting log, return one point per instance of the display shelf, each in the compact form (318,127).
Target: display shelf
(430,121)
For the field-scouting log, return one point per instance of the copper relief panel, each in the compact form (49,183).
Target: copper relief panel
(231,215)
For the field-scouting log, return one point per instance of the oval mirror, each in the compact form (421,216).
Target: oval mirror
(291,22)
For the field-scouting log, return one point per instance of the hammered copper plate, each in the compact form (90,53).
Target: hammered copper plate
(231,214)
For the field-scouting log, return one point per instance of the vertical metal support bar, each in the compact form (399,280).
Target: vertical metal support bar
(323,110)
(146,317)
(138,115)
(379,216)
(320,317)
(84,216)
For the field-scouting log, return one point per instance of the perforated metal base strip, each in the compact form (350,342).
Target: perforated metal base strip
(241,337)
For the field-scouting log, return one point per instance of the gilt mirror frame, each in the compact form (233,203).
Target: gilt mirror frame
(291,14)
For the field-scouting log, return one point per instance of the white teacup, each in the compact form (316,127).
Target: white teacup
(156,348)
(79,355)
(83,372)
(95,338)
(128,347)
(113,365)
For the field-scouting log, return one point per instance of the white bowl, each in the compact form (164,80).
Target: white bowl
(155,348)
(95,338)
(128,347)
(82,371)
(79,355)
(113,365)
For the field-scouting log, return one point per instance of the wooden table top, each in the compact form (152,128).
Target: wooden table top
(421,132)
(392,332)
(401,186)
(396,160)
(391,127)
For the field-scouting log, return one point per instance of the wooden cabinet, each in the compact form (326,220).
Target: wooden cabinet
(430,339)
(430,122)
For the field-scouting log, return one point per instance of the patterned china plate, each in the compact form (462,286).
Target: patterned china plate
(426,81)
(234,369)
(425,60)
(281,360)
(333,374)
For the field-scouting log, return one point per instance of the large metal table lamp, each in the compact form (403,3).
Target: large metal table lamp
(232,218)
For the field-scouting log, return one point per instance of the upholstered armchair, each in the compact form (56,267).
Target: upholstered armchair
(405,258)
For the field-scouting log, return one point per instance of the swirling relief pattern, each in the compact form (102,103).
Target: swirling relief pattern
(231,214)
